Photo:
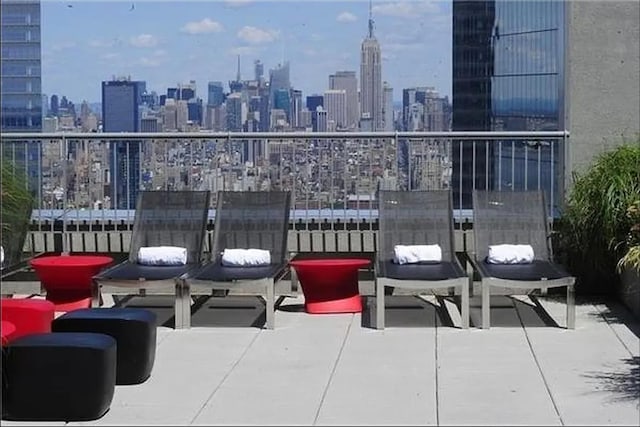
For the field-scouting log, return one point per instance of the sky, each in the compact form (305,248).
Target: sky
(167,43)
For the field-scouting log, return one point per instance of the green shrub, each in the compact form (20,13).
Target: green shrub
(594,226)
(15,211)
(631,258)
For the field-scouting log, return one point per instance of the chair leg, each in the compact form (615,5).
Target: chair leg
(294,281)
(486,304)
(95,294)
(271,305)
(379,304)
(464,304)
(571,307)
(182,305)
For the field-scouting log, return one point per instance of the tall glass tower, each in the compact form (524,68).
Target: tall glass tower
(120,113)
(508,75)
(21,84)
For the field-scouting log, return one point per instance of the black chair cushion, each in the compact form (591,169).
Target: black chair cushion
(537,270)
(59,377)
(424,271)
(219,273)
(134,330)
(132,271)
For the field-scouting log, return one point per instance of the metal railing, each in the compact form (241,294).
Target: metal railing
(94,178)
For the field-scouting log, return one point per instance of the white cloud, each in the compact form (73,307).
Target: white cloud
(406,9)
(242,50)
(346,17)
(63,46)
(100,43)
(143,40)
(255,35)
(110,56)
(146,61)
(205,26)
(309,52)
(237,3)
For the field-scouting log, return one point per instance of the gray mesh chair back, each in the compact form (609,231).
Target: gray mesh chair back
(252,220)
(415,218)
(510,217)
(170,218)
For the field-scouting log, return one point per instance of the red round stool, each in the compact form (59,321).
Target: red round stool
(29,316)
(330,285)
(7,329)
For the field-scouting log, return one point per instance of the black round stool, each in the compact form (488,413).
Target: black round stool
(59,377)
(134,329)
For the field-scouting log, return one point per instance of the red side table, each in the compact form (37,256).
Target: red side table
(67,278)
(330,285)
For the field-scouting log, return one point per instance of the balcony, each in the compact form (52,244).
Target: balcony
(86,184)
(315,370)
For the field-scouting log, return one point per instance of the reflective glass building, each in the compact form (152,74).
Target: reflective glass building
(508,75)
(120,113)
(21,83)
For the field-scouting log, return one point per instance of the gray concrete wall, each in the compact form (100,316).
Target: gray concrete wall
(603,77)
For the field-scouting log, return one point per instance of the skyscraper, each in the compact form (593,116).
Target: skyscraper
(215,94)
(371,81)
(508,74)
(335,102)
(278,79)
(387,108)
(347,81)
(296,107)
(120,113)
(234,112)
(258,70)
(314,101)
(21,84)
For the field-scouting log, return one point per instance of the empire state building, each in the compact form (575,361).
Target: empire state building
(371,117)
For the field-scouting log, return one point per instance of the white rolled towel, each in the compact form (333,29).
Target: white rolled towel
(412,254)
(510,254)
(162,255)
(245,257)
(1,255)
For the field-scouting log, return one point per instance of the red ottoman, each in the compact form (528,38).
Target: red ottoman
(29,316)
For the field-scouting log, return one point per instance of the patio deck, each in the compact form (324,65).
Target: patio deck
(422,370)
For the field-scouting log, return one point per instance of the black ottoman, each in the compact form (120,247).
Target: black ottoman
(134,330)
(59,377)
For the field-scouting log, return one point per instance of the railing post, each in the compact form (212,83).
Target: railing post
(65,164)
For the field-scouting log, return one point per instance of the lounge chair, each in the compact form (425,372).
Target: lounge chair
(247,220)
(162,218)
(516,218)
(409,218)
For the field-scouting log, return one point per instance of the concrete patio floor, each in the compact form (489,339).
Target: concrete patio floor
(421,370)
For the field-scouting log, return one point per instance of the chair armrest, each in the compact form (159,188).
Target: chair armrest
(474,263)
(105,273)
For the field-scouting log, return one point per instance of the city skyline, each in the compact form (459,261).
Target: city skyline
(164,43)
